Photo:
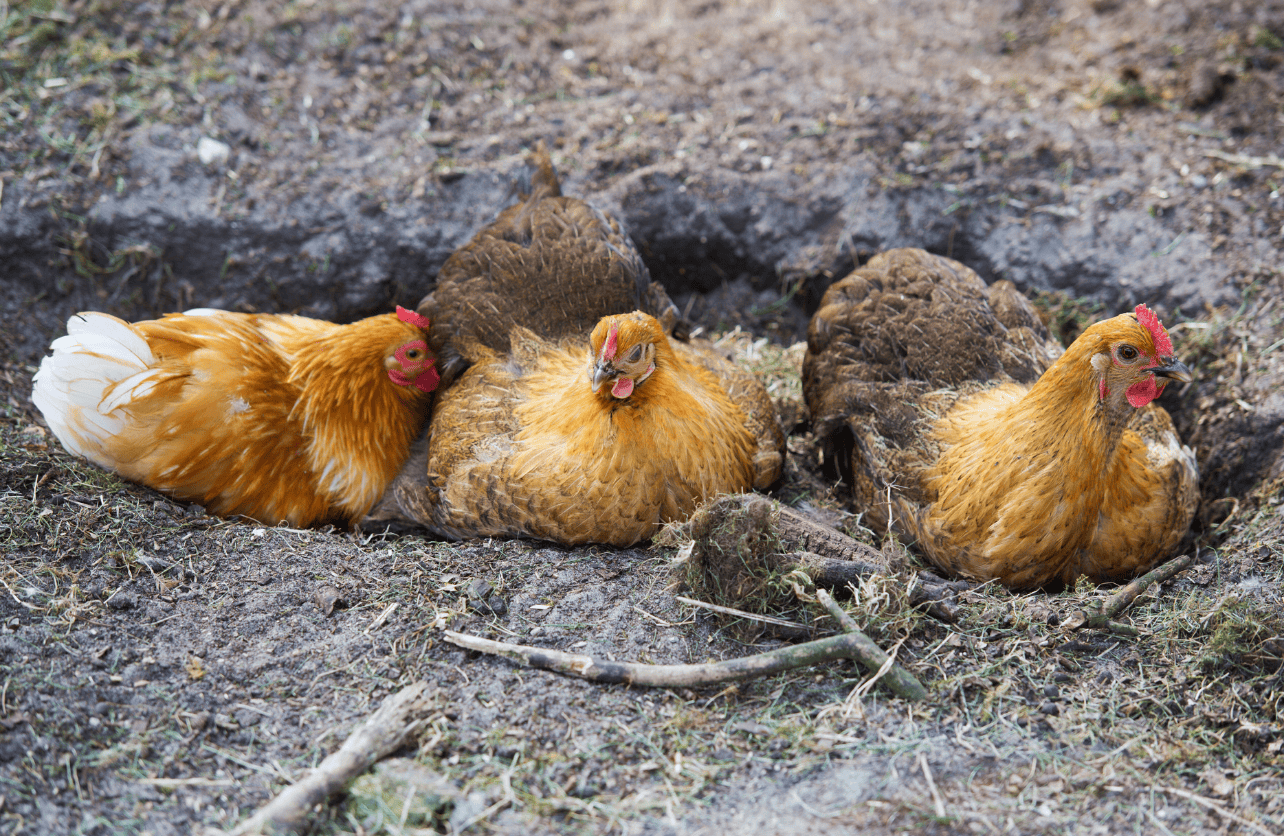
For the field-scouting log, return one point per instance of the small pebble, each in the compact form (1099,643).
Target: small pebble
(212,152)
(121,601)
(326,597)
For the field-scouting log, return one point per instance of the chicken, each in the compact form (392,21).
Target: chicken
(277,418)
(591,443)
(960,424)
(552,264)
(523,445)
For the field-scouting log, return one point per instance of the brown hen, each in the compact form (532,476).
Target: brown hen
(552,264)
(945,405)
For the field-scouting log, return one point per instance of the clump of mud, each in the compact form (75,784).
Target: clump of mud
(735,557)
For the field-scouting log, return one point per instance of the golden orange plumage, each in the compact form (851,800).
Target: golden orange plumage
(274,417)
(565,442)
(992,473)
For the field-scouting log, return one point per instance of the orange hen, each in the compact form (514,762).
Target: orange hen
(596,443)
(926,388)
(277,418)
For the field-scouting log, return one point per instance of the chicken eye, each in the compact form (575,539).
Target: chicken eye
(414,354)
(634,355)
(1127,353)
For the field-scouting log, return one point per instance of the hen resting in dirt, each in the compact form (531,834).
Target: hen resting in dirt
(930,394)
(598,441)
(551,434)
(271,417)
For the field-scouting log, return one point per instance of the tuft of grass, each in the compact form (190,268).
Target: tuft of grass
(1266,39)
(1126,91)
(1066,316)
(1245,634)
(734,555)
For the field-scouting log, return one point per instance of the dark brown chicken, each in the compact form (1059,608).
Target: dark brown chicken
(959,422)
(552,264)
(574,415)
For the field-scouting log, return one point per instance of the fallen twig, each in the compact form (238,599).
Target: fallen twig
(1124,596)
(15,597)
(382,733)
(845,646)
(931,785)
(839,614)
(1245,160)
(171,783)
(794,626)
(871,655)
(1217,808)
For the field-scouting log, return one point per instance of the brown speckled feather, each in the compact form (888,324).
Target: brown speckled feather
(551,264)
(925,386)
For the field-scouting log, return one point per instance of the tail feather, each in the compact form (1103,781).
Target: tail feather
(102,364)
(133,388)
(112,334)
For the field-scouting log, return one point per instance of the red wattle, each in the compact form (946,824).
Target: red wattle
(1140,394)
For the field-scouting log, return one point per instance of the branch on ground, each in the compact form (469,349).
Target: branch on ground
(1123,598)
(845,646)
(381,734)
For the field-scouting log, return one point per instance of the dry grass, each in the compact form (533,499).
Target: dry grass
(1030,724)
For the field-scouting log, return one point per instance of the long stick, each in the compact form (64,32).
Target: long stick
(752,616)
(846,646)
(1128,593)
(1102,618)
(871,655)
(380,735)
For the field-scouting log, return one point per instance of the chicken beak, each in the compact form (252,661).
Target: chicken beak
(1173,368)
(602,372)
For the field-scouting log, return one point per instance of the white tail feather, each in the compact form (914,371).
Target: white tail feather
(132,388)
(116,333)
(71,387)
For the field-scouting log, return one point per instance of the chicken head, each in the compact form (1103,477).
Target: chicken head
(411,363)
(624,352)
(1128,354)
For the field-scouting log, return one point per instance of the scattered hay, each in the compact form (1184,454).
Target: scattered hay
(747,552)
(1245,636)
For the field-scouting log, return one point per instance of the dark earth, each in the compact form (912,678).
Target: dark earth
(165,672)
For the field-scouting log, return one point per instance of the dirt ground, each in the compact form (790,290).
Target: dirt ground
(165,672)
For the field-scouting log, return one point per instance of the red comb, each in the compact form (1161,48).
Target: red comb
(1163,345)
(413,318)
(612,342)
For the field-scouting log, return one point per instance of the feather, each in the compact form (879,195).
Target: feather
(271,417)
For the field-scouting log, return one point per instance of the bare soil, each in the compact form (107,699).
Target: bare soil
(164,672)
